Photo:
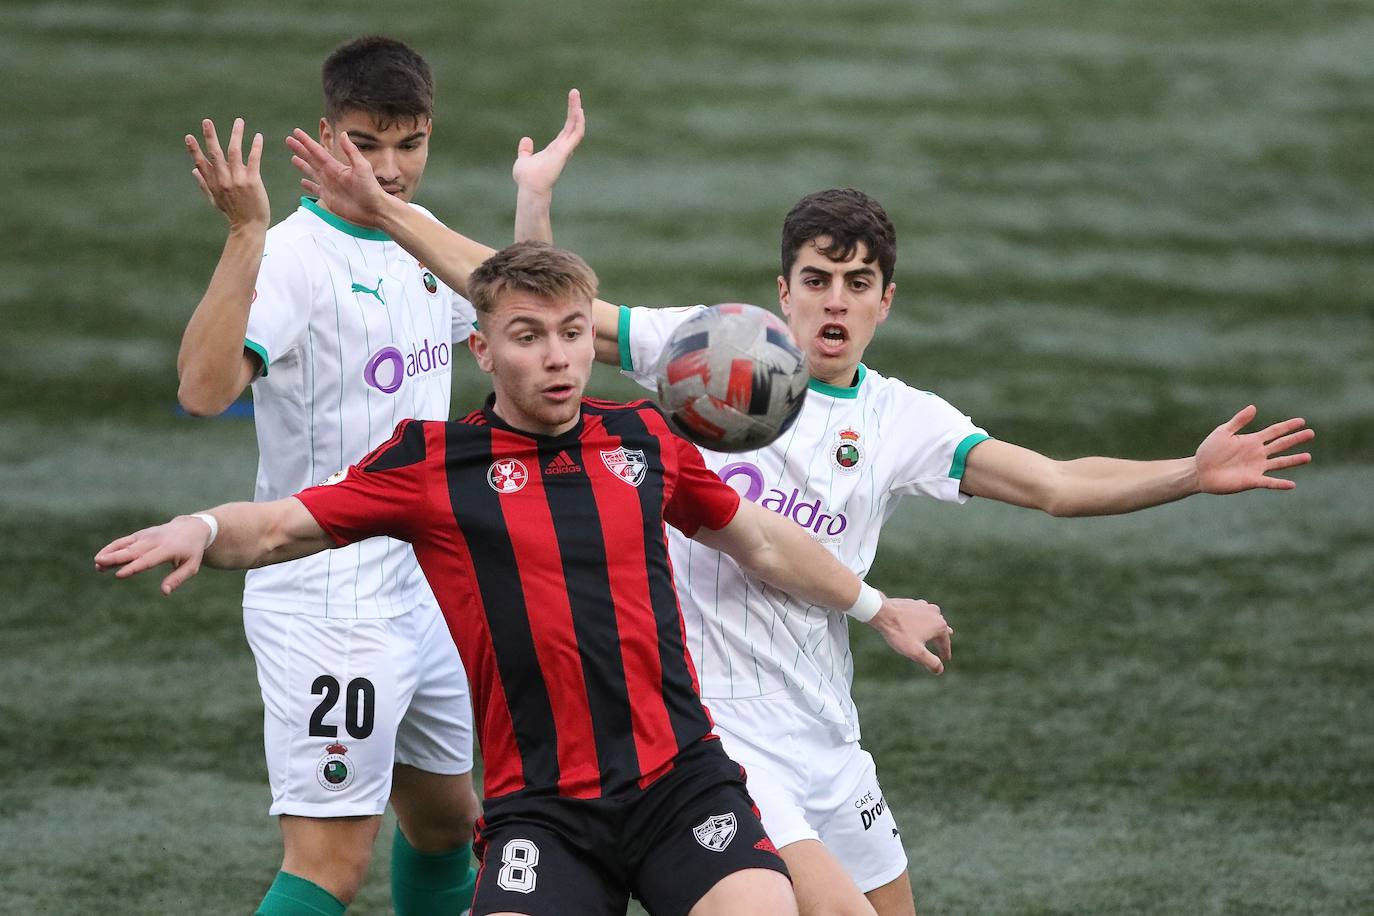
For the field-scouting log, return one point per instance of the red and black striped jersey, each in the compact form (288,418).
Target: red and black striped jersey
(549,558)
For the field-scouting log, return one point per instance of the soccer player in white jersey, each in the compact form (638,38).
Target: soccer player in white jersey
(776,674)
(342,334)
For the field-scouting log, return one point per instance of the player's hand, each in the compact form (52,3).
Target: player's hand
(1229,462)
(233,184)
(908,625)
(347,189)
(181,542)
(537,173)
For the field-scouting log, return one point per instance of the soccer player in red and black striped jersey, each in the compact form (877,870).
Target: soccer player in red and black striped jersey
(539,523)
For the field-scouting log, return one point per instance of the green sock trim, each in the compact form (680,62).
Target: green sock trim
(430,883)
(291,895)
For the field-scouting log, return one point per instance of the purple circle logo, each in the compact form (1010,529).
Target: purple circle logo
(750,472)
(376,373)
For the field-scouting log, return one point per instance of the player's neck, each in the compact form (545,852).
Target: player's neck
(520,422)
(844,377)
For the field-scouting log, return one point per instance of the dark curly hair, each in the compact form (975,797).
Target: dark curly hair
(846,217)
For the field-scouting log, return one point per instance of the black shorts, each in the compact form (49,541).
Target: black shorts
(666,845)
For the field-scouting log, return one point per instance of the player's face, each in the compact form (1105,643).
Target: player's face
(833,309)
(397,154)
(539,353)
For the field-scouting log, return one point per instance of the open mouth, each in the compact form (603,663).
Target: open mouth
(559,392)
(833,335)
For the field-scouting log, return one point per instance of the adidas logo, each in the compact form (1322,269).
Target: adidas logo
(766,845)
(562,464)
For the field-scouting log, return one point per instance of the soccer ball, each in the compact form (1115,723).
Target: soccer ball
(731,379)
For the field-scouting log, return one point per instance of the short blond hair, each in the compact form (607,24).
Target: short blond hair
(531,267)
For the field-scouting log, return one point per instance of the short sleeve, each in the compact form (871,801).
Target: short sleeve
(643,333)
(383,494)
(935,439)
(281,305)
(464,317)
(700,498)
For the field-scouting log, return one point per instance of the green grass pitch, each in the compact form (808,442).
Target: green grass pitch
(1118,224)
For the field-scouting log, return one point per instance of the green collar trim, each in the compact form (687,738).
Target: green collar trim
(623,340)
(343,225)
(835,391)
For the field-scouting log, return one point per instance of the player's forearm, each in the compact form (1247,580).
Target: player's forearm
(210,363)
(451,256)
(1110,486)
(777,551)
(261,534)
(533,222)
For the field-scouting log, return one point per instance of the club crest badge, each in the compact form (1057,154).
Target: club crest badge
(335,770)
(846,453)
(716,832)
(628,464)
(507,475)
(431,284)
(336,477)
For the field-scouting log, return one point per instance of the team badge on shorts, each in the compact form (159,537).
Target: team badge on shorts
(507,475)
(628,464)
(335,771)
(716,832)
(847,454)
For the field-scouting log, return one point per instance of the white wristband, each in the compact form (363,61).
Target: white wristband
(869,602)
(213,522)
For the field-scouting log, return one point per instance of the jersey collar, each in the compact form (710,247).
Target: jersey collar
(571,435)
(835,391)
(362,232)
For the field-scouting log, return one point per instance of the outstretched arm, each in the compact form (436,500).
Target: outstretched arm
(1227,461)
(350,190)
(780,553)
(212,364)
(249,535)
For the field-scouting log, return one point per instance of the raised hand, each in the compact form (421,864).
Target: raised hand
(907,625)
(537,173)
(347,189)
(232,184)
(1231,462)
(181,542)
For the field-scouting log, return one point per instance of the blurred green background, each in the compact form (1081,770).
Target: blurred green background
(1118,224)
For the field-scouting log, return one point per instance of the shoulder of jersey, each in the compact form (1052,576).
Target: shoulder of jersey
(603,406)
(426,212)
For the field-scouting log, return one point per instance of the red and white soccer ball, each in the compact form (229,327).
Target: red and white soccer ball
(731,378)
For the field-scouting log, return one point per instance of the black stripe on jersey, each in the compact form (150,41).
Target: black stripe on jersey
(577,525)
(477,508)
(684,707)
(408,450)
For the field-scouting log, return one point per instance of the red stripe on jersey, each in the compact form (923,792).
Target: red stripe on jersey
(447,562)
(532,533)
(634,613)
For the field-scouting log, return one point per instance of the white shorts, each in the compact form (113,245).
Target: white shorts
(345,699)
(811,784)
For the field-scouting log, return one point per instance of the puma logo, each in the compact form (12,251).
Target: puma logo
(359,288)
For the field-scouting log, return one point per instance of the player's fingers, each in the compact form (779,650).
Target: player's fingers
(255,154)
(147,560)
(311,188)
(1241,419)
(235,148)
(179,575)
(524,148)
(942,646)
(355,155)
(200,183)
(213,154)
(575,123)
(1287,461)
(194,150)
(1276,483)
(928,660)
(118,543)
(306,147)
(1284,443)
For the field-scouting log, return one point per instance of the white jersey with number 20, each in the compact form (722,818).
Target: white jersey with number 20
(838,472)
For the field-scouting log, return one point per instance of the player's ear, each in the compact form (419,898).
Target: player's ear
(886,305)
(481,350)
(326,133)
(784,297)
